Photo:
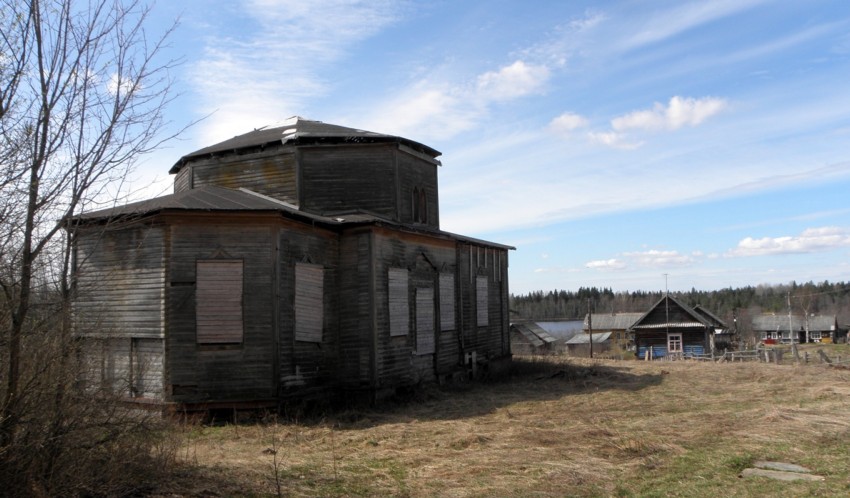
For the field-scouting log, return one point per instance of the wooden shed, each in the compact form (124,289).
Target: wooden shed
(617,324)
(527,337)
(300,260)
(671,329)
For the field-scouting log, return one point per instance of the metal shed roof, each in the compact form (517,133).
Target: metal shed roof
(611,321)
(585,338)
(535,334)
(223,200)
(299,131)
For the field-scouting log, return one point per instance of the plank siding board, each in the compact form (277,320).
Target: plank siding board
(243,371)
(307,365)
(309,301)
(148,368)
(482,301)
(399,301)
(219,301)
(336,179)
(355,304)
(425,321)
(119,281)
(447,302)
(269,173)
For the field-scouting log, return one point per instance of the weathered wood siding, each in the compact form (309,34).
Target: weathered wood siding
(399,360)
(310,364)
(231,372)
(345,179)
(119,308)
(271,172)
(416,173)
(484,321)
(355,311)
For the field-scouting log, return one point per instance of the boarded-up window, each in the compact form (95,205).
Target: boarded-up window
(424,321)
(218,301)
(398,300)
(482,299)
(146,356)
(447,301)
(309,302)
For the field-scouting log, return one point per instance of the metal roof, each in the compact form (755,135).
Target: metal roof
(611,321)
(711,317)
(698,319)
(770,322)
(223,200)
(299,131)
(585,338)
(535,334)
(206,198)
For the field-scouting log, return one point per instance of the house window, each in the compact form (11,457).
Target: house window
(424,320)
(482,300)
(309,302)
(816,335)
(674,343)
(398,302)
(447,301)
(218,301)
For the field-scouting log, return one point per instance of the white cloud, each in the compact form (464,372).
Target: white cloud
(606,264)
(512,81)
(810,240)
(440,110)
(613,139)
(656,258)
(566,123)
(679,112)
(686,16)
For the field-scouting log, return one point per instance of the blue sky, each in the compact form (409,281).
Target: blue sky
(610,142)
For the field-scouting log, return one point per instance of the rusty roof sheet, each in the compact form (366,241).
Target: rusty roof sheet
(299,131)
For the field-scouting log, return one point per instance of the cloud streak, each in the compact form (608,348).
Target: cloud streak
(810,240)
(270,72)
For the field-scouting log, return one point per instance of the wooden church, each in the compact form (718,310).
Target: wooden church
(293,261)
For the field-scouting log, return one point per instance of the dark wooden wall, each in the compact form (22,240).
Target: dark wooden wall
(200,373)
(417,173)
(307,366)
(271,172)
(346,179)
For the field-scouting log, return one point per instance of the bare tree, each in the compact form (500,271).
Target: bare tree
(83,90)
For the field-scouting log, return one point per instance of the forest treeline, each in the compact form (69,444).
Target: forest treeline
(730,303)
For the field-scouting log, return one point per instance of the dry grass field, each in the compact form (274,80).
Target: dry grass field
(556,427)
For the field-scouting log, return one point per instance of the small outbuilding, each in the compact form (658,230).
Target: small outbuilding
(580,344)
(527,337)
(617,324)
